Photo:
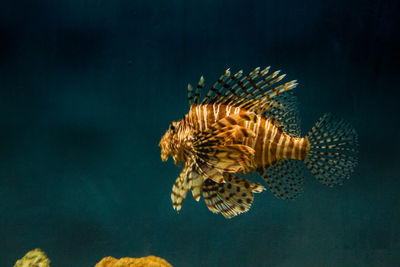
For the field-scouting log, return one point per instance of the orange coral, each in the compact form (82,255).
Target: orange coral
(149,261)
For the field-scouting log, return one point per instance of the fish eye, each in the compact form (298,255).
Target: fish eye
(172,127)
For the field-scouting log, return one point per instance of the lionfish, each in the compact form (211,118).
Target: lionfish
(248,123)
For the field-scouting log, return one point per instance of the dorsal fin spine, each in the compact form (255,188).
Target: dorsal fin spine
(265,97)
(235,90)
(214,89)
(243,84)
(256,90)
(220,81)
(190,94)
(226,87)
(200,86)
(245,91)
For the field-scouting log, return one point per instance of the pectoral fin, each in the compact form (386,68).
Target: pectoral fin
(220,146)
(231,198)
(228,129)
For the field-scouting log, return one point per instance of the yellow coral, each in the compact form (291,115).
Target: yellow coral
(34,258)
(149,261)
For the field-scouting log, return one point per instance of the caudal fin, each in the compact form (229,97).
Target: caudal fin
(333,150)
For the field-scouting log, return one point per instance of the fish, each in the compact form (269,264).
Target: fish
(250,124)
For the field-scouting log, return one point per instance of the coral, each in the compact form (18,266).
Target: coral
(149,261)
(34,258)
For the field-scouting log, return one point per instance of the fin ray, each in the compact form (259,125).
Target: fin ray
(333,150)
(284,178)
(231,198)
(255,92)
(200,85)
(219,146)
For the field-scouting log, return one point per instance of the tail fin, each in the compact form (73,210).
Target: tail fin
(333,150)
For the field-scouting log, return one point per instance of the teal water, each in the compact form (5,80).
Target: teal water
(87,88)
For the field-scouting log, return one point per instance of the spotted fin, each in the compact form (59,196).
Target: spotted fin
(209,172)
(284,178)
(231,198)
(333,150)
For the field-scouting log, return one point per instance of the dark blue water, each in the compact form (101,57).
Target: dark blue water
(87,88)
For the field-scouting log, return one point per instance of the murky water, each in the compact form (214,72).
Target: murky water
(87,88)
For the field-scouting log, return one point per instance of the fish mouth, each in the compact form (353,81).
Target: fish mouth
(164,157)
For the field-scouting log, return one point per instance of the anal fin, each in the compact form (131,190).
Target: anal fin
(284,178)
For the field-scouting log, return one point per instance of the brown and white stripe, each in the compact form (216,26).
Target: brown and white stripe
(271,143)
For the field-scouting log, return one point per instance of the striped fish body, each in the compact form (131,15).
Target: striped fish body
(270,142)
(248,123)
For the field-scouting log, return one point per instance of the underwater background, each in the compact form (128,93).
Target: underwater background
(87,88)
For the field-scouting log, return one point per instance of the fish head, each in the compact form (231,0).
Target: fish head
(171,144)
